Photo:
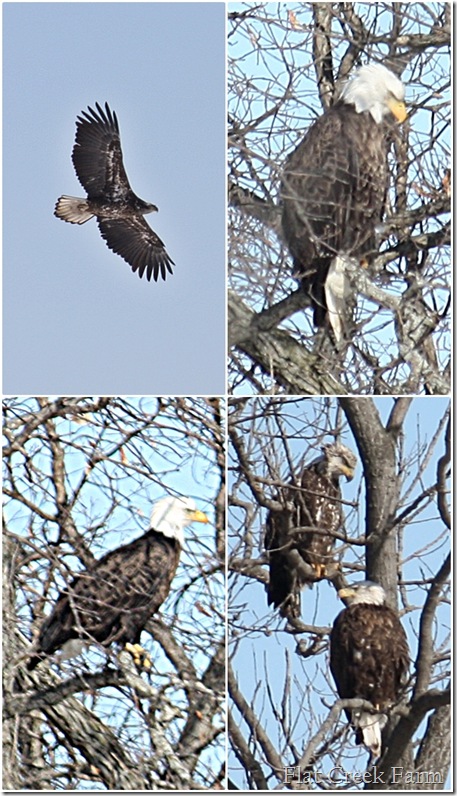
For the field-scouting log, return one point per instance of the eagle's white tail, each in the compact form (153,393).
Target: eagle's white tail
(369,727)
(337,292)
(73,209)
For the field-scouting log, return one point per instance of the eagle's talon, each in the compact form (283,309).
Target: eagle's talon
(320,570)
(140,656)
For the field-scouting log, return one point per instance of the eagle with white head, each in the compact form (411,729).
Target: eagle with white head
(112,600)
(369,659)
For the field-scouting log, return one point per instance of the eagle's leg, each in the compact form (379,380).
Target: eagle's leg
(140,657)
(319,570)
(327,570)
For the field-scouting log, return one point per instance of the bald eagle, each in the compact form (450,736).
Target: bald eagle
(369,658)
(300,537)
(97,158)
(334,190)
(112,600)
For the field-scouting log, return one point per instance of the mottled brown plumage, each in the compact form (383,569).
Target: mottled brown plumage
(369,658)
(98,162)
(300,557)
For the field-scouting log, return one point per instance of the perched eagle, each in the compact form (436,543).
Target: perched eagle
(97,158)
(112,600)
(334,190)
(300,537)
(369,658)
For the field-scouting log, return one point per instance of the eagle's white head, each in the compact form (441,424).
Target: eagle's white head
(376,89)
(366,592)
(171,515)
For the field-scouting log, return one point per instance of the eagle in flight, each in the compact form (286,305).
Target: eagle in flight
(300,537)
(369,659)
(112,600)
(334,191)
(97,158)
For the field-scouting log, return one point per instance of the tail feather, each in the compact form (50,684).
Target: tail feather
(73,209)
(368,729)
(291,606)
(337,293)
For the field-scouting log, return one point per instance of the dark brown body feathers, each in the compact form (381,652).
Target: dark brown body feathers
(112,600)
(98,162)
(369,656)
(333,192)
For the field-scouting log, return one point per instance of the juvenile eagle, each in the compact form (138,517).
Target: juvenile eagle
(369,658)
(112,600)
(304,533)
(334,190)
(97,158)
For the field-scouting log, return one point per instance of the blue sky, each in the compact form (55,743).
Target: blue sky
(76,319)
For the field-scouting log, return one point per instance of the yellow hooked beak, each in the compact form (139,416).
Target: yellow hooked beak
(198,516)
(398,109)
(348,472)
(348,591)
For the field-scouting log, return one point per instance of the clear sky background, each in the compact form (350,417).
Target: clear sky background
(76,318)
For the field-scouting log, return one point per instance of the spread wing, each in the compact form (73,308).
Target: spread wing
(138,244)
(97,155)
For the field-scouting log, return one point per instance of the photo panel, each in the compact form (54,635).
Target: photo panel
(339,593)
(285,298)
(114,611)
(121,105)
(339,198)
